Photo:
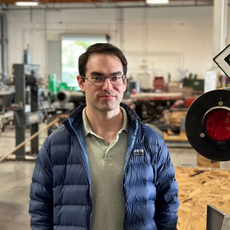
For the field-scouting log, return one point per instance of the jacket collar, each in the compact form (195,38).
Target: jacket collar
(75,117)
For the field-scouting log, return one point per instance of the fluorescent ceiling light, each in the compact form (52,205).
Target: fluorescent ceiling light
(26,3)
(157,1)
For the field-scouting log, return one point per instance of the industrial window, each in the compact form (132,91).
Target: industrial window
(72,46)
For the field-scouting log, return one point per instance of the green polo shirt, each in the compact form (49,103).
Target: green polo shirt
(106,163)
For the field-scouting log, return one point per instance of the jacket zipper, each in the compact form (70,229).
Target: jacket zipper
(126,163)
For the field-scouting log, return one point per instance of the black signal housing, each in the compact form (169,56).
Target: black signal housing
(206,142)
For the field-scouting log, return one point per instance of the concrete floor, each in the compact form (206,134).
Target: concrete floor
(15,179)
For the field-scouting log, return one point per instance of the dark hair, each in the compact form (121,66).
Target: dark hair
(101,48)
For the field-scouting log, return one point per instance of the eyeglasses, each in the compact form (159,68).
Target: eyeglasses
(97,79)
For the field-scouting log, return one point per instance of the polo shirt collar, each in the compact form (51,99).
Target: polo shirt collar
(87,129)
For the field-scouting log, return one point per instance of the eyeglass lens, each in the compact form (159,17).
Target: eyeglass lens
(115,79)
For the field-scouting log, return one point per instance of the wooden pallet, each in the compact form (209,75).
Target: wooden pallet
(171,136)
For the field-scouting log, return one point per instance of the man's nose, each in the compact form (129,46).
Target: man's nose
(107,85)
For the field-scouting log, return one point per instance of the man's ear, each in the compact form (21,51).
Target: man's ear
(81,83)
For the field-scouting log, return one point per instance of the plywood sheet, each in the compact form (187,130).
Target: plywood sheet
(199,187)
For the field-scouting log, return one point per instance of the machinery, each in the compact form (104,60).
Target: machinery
(76,97)
(26,75)
(66,101)
(149,106)
(6,98)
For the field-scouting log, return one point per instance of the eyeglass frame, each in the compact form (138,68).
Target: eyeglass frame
(123,77)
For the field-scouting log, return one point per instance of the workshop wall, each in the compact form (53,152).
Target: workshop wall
(156,41)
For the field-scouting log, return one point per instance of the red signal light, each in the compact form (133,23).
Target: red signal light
(217,123)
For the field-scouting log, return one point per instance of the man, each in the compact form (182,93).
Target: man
(103,169)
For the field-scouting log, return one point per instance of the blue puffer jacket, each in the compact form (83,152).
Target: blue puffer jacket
(60,189)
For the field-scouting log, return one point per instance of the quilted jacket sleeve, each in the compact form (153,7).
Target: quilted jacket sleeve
(41,200)
(167,202)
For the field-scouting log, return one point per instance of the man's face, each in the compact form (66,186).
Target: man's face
(106,97)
